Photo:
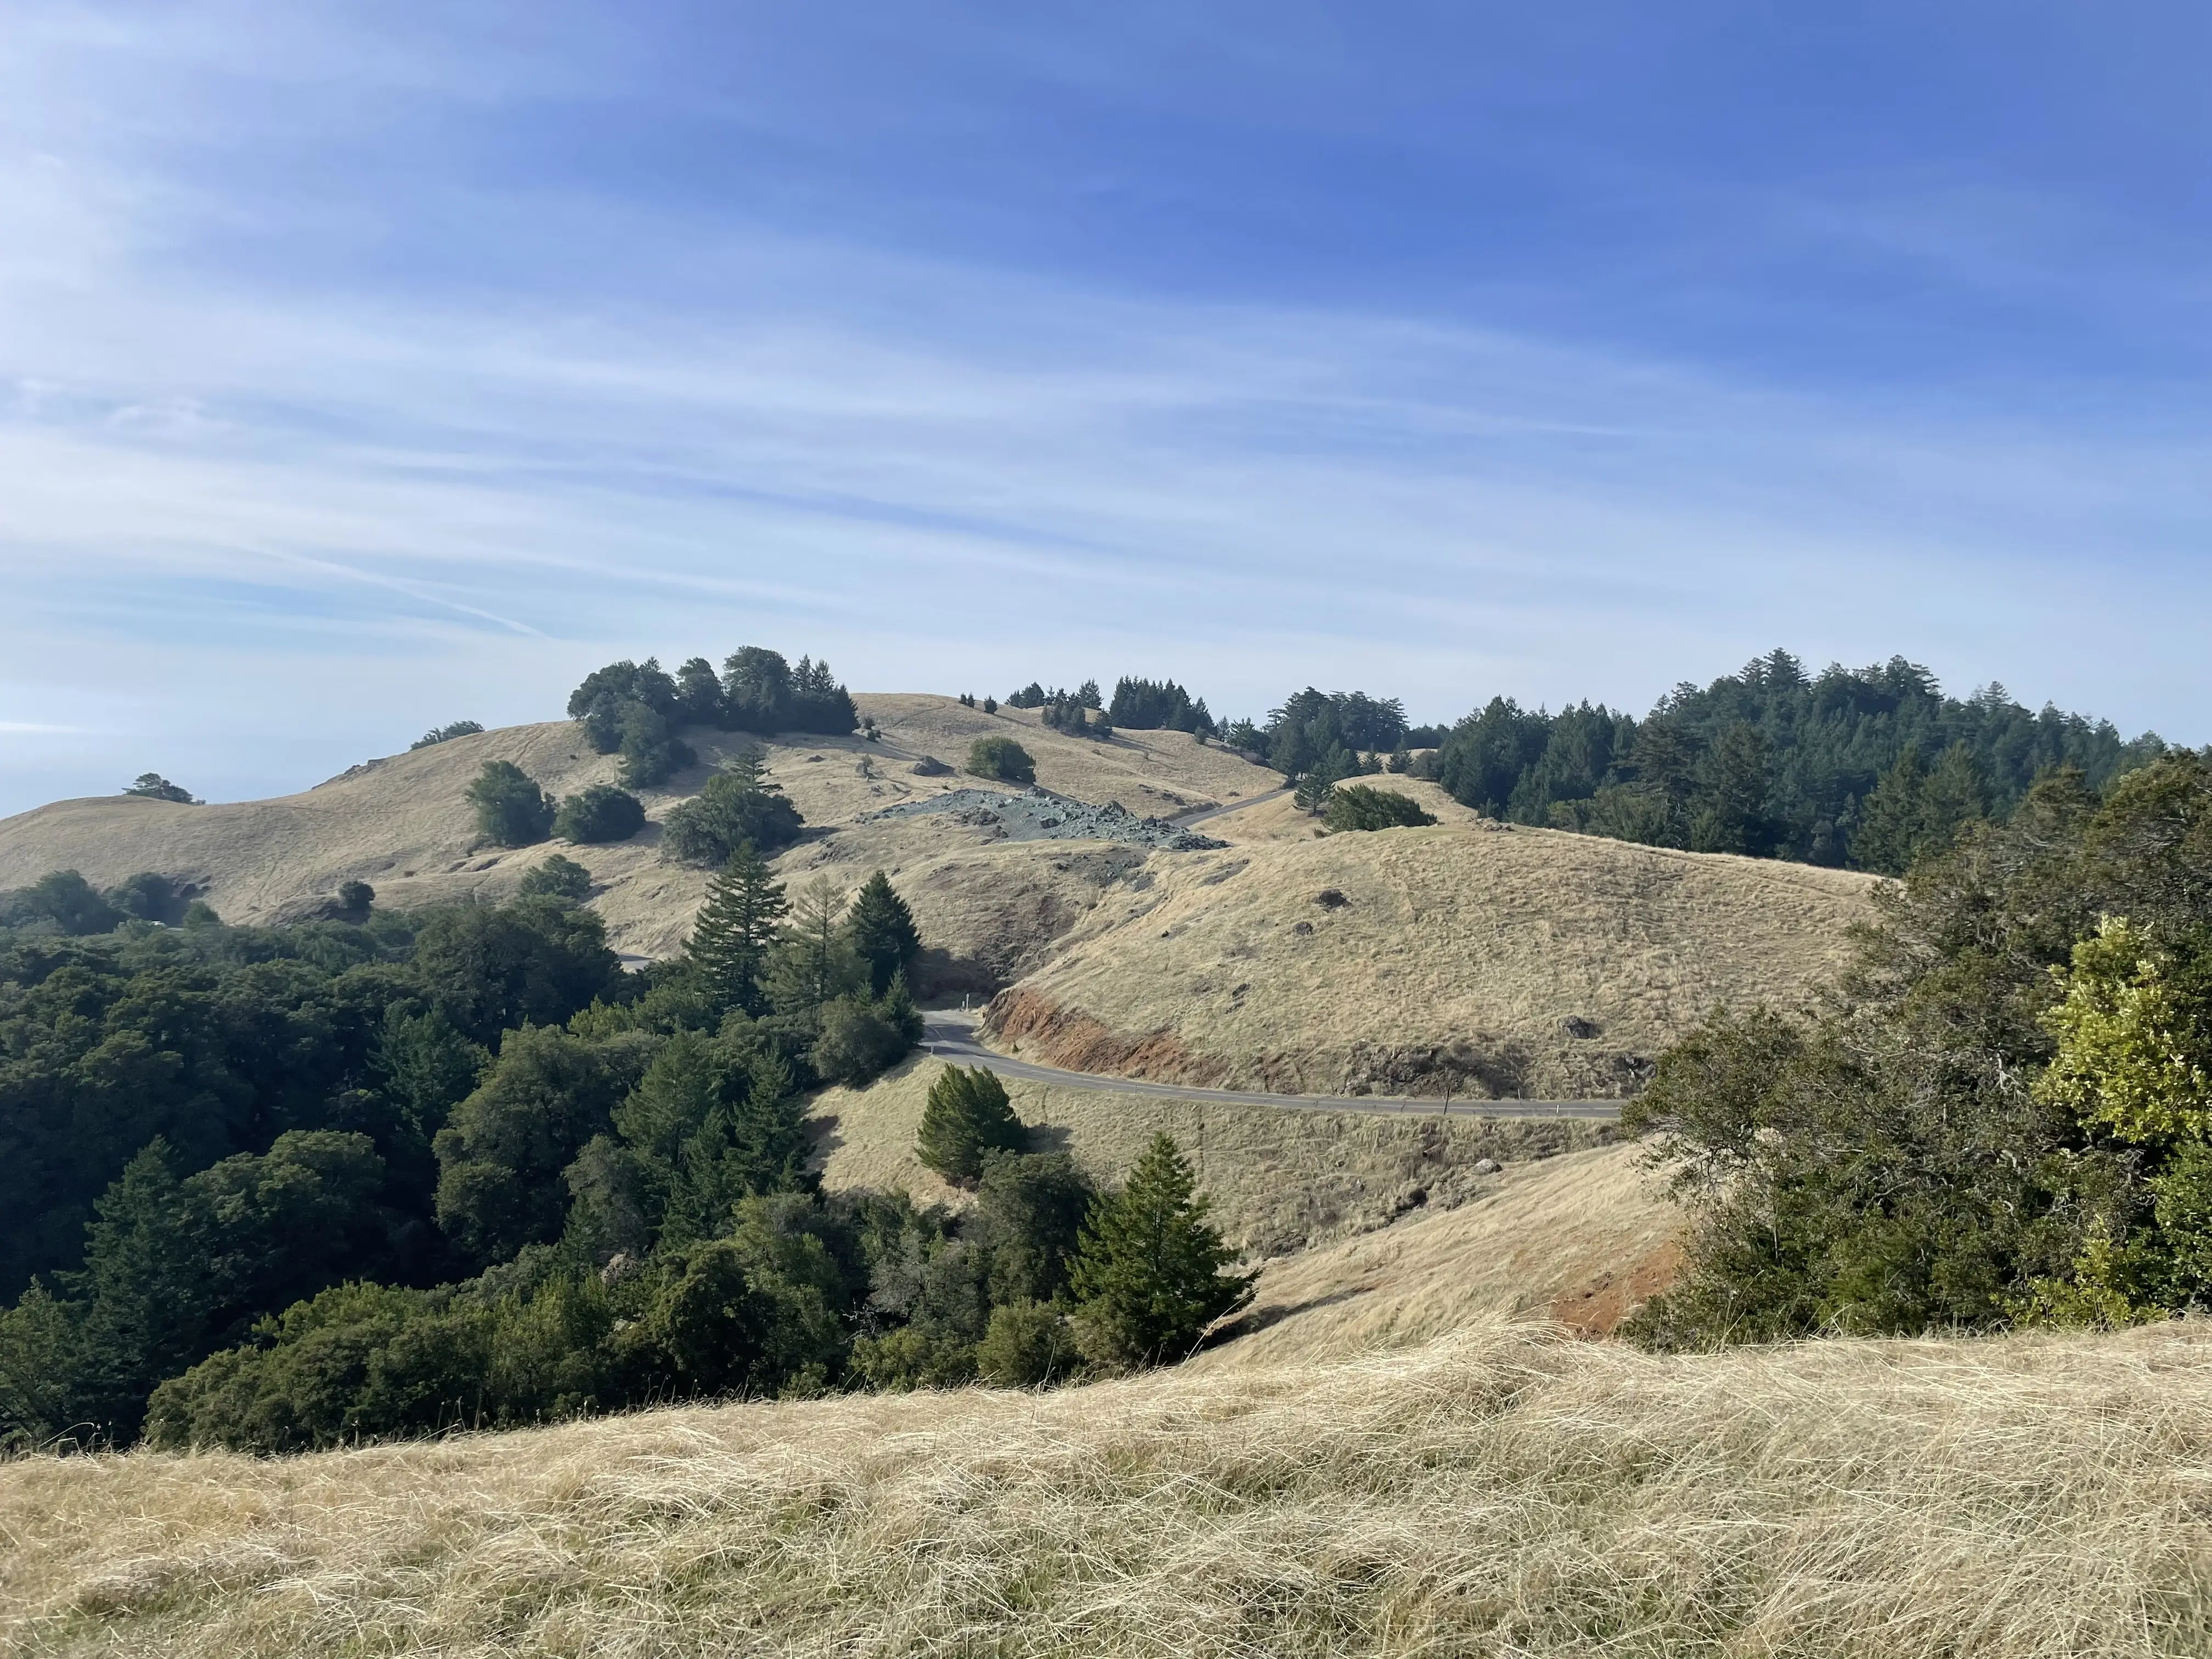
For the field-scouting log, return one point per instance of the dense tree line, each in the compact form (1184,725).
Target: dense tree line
(450,1166)
(1868,767)
(1143,705)
(637,710)
(62,901)
(2003,1116)
(1033,695)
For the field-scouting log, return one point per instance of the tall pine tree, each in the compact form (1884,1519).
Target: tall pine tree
(736,929)
(883,932)
(814,961)
(1151,1272)
(1889,827)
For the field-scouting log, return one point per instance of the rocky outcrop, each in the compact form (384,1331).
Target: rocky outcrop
(1070,1038)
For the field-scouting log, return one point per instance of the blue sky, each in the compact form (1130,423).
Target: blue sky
(363,368)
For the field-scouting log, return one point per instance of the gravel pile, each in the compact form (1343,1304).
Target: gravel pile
(1040,814)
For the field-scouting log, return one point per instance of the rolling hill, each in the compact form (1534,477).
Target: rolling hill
(1468,957)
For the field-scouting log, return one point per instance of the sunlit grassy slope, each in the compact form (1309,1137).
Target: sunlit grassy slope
(1505,1490)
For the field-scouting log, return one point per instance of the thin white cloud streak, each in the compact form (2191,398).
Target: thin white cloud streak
(269,522)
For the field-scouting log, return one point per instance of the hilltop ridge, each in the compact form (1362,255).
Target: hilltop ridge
(1467,958)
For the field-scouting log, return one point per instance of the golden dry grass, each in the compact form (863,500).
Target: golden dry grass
(1282,819)
(1583,1238)
(1460,952)
(1506,1491)
(1280,1181)
(402,824)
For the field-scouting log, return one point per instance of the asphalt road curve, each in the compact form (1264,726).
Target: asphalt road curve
(1184,820)
(951,1036)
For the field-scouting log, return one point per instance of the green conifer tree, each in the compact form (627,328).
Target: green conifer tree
(814,962)
(966,1116)
(1889,820)
(1956,793)
(1151,1272)
(736,929)
(883,932)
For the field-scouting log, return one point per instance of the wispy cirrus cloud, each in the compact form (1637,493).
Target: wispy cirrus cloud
(291,476)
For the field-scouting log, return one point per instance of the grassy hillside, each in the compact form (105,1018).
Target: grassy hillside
(1494,960)
(402,824)
(1504,1491)
(1460,954)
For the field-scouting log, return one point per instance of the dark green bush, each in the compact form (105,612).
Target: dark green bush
(1912,1158)
(1000,758)
(738,805)
(512,810)
(447,734)
(64,900)
(557,878)
(1358,806)
(149,896)
(863,1036)
(1026,1345)
(966,1117)
(599,813)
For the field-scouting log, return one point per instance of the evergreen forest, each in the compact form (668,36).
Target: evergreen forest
(279,1189)
(1869,768)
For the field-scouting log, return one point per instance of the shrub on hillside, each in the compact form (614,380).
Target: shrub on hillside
(1358,806)
(966,1117)
(864,1036)
(2002,1122)
(599,814)
(512,810)
(355,898)
(739,806)
(1001,758)
(1026,1345)
(149,897)
(152,785)
(446,733)
(651,752)
(65,901)
(557,878)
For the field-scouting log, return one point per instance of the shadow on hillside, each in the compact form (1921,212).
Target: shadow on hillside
(1253,1321)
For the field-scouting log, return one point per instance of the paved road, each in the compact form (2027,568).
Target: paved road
(1183,821)
(952,1036)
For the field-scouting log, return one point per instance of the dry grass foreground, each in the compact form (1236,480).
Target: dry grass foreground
(1501,962)
(1506,1491)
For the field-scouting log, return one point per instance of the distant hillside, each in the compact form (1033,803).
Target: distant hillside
(1489,959)
(1471,956)
(402,824)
